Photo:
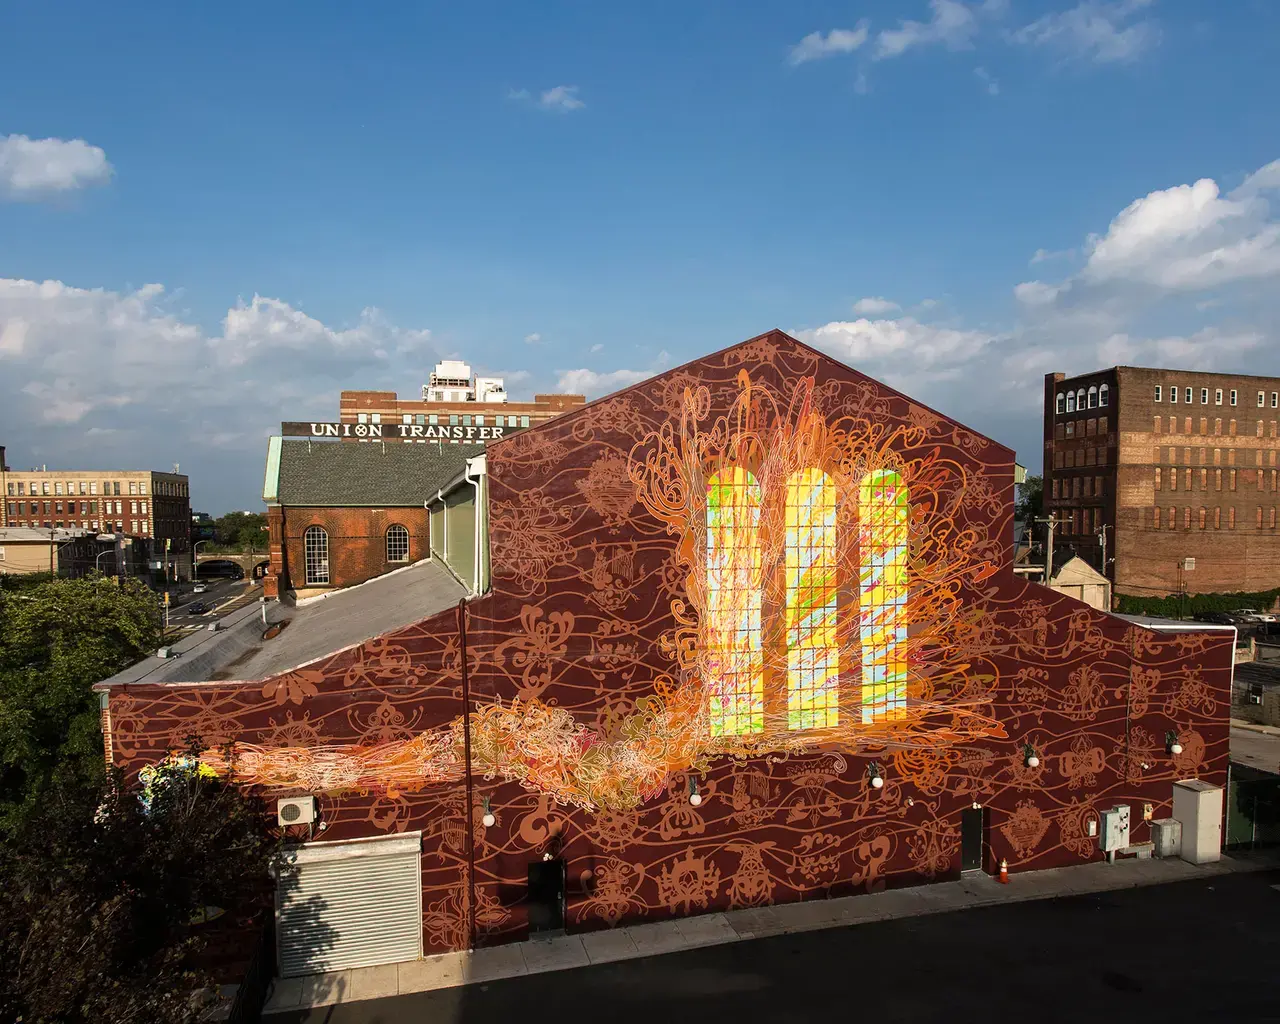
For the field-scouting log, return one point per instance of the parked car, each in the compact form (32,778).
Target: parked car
(1247,615)
(1217,618)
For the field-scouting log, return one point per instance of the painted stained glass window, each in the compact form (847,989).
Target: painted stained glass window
(735,669)
(883,520)
(813,654)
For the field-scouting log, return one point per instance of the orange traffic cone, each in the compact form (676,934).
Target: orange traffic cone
(1004,871)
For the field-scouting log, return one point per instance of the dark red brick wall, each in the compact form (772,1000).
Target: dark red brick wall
(357,542)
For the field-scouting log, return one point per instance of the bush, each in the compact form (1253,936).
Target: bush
(1174,605)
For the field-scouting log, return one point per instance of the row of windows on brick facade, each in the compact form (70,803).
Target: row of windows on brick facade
(1079,522)
(54,488)
(1079,487)
(1073,458)
(1167,518)
(425,419)
(1169,454)
(1262,428)
(1080,428)
(1097,396)
(1170,477)
(315,551)
(35,508)
(139,528)
(1189,395)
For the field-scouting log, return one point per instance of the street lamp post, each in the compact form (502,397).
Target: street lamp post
(97,562)
(195,563)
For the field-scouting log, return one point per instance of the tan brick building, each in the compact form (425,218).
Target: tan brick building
(136,503)
(1162,466)
(383,407)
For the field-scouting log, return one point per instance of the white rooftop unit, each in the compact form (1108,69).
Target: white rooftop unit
(451,381)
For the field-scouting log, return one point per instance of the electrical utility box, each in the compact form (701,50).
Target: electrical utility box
(1115,830)
(1166,834)
(1198,805)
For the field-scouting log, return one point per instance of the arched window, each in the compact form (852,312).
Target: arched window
(315,546)
(1071,401)
(1062,403)
(735,653)
(397,544)
(813,654)
(1093,397)
(1080,401)
(883,518)
(1104,393)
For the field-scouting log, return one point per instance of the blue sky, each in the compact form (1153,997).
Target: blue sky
(213,219)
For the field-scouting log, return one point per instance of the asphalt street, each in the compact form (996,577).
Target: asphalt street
(1206,950)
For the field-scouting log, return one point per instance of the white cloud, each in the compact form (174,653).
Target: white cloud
(560,98)
(32,168)
(1041,255)
(589,383)
(1190,237)
(952,24)
(872,306)
(894,344)
(815,45)
(598,347)
(1094,31)
(1035,293)
(75,360)
(989,82)
(532,339)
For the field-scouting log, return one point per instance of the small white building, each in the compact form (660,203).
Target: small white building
(1077,578)
(451,381)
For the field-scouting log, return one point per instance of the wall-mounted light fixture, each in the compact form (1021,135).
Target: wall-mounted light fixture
(488,820)
(695,797)
(1171,744)
(1029,756)
(874,776)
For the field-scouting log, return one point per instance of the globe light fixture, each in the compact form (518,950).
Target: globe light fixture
(695,798)
(488,820)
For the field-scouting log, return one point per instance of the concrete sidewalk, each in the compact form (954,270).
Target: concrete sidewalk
(558,954)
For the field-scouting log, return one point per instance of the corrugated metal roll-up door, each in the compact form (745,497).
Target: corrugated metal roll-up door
(350,904)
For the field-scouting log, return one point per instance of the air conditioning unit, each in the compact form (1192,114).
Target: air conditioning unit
(296,810)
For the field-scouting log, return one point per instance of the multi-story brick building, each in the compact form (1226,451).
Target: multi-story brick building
(1155,467)
(475,407)
(136,503)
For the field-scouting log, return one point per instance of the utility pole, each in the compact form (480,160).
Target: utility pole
(1102,539)
(1052,522)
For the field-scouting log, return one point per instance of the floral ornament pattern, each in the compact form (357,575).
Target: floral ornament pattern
(1025,828)
(528,540)
(750,885)
(535,654)
(688,882)
(608,491)
(293,687)
(614,892)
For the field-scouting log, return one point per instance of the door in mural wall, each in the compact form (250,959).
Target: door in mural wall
(546,896)
(972,828)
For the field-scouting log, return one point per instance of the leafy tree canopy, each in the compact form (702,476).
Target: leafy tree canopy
(56,640)
(1030,503)
(241,531)
(102,898)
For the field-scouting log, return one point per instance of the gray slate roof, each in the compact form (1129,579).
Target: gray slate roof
(317,628)
(368,475)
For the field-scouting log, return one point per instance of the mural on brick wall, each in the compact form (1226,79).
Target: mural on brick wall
(763,581)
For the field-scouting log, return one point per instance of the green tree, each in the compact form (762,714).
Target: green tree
(56,640)
(103,902)
(1029,505)
(241,531)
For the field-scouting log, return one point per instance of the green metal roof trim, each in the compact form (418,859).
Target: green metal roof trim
(271,484)
(367,474)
